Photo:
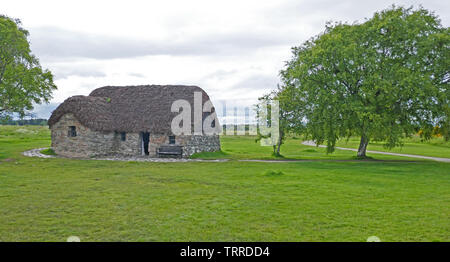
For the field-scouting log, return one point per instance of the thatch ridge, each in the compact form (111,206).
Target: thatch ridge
(144,108)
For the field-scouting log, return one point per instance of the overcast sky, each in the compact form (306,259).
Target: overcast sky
(234,50)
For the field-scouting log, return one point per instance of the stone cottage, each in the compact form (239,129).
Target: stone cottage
(127,120)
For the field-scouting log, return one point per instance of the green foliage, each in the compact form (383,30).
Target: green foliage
(22,80)
(381,80)
(49,152)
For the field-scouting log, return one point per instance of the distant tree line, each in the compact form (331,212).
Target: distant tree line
(23,122)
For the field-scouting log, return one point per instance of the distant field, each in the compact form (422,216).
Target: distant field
(245,147)
(435,147)
(52,199)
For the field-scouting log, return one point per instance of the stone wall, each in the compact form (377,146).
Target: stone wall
(89,143)
(155,141)
(197,144)
(130,147)
(191,144)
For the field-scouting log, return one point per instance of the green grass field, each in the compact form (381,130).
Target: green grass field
(436,147)
(52,199)
(245,147)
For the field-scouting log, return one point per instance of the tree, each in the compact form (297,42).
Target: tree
(22,80)
(382,80)
(264,111)
(286,118)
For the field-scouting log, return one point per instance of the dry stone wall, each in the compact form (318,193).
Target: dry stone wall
(89,143)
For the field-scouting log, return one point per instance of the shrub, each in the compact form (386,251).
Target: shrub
(48,151)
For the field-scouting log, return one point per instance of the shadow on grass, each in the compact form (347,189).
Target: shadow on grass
(272,173)
(211,155)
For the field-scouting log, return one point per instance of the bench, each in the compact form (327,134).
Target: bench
(170,151)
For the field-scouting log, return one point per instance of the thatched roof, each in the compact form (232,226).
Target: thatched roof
(128,108)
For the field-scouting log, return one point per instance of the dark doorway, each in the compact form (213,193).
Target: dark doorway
(145,141)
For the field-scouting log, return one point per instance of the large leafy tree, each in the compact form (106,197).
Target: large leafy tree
(381,80)
(22,80)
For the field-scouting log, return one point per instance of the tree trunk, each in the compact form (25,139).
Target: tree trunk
(278,147)
(280,140)
(363,146)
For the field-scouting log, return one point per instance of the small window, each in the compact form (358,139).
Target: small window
(123,136)
(171,139)
(72,131)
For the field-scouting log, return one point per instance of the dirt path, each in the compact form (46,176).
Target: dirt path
(440,159)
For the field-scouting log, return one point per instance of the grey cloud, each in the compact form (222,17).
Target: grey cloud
(312,15)
(137,75)
(244,93)
(257,82)
(54,43)
(44,110)
(65,72)
(221,74)
(254,82)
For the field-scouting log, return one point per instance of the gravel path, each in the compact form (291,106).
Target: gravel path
(37,153)
(440,159)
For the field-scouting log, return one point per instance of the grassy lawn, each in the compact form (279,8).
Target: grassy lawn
(245,147)
(436,147)
(51,199)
